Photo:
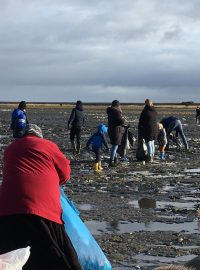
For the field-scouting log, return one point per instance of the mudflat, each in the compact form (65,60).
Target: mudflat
(142,215)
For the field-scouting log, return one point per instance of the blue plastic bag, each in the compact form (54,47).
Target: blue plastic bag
(90,255)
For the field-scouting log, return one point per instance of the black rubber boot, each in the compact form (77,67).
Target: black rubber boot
(112,163)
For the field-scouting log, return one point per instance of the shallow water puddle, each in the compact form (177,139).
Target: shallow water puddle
(85,207)
(148,203)
(4,136)
(161,259)
(98,228)
(197,170)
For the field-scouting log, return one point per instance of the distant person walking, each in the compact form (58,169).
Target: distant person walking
(115,123)
(198,115)
(75,123)
(19,120)
(147,128)
(172,123)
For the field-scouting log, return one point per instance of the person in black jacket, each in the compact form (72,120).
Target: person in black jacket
(115,122)
(147,127)
(197,114)
(75,123)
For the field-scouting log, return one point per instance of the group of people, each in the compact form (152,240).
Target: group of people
(34,168)
(149,130)
(30,208)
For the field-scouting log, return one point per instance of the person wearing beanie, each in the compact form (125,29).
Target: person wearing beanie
(30,208)
(97,140)
(115,123)
(75,123)
(19,120)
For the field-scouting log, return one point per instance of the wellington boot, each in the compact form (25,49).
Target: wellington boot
(78,149)
(112,163)
(162,156)
(96,167)
(99,166)
(74,147)
(116,160)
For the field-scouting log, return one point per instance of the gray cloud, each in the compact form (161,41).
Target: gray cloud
(99,49)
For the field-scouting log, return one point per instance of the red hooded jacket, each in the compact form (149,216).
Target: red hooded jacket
(33,170)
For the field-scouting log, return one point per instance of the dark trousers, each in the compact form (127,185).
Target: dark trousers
(51,248)
(75,132)
(97,152)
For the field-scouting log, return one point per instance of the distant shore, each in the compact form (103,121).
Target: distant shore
(126,105)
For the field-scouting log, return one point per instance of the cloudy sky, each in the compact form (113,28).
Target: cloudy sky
(100,50)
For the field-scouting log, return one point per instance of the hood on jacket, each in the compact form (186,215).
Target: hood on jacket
(102,128)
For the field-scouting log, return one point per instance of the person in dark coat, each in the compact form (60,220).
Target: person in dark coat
(172,123)
(19,120)
(75,123)
(147,127)
(115,123)
(197,114)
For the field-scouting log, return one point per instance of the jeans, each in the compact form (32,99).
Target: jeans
(150,148)
(177,126)
(113,151)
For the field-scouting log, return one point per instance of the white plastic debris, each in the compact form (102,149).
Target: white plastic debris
(14,260)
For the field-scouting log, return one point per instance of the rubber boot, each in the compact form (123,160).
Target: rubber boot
(96,167)
(116,160)
(162,156)
(78,149)
(99,166)
(74,147)
(112,163)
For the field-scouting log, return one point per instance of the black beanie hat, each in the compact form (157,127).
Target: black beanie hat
(22,105)
(115,103)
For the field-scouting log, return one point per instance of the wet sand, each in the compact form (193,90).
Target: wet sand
(142,215)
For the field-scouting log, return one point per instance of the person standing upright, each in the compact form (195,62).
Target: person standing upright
(115,122)
(147,127)
(19,120)
(197,114)
(75,123)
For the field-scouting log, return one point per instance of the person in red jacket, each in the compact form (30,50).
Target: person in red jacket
(30,209)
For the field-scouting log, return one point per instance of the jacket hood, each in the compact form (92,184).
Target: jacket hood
(102,128)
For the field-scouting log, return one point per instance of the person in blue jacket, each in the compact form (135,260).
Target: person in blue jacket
(172,123)
(97,140)
(19,120)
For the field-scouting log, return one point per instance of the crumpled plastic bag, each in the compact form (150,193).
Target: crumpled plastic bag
(14,260)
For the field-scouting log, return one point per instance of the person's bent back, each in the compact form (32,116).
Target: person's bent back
(172,123)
